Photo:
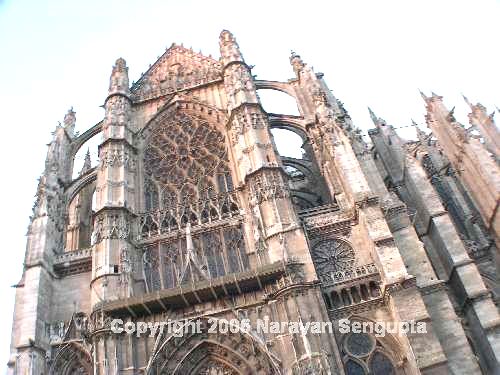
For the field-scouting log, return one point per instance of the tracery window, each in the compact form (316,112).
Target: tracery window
(364,355)
(188,182)
(187,176)
(332,256)
(185,161)
(217,253)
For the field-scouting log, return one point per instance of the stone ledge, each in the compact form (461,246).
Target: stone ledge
(202,291)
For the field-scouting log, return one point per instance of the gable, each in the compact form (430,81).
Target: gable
(177,69)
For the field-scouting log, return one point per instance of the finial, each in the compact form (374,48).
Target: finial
(425,97)
(296,62)
(451,115)
(421,135)
(119,77)
(376,120)
(227,35)
(229,49)
(87,163)
(70,120)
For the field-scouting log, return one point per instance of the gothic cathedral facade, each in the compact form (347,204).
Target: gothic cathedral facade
(192,214)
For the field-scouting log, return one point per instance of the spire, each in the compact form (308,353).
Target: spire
(87,163)
(373,116)
(119,78)
(421,135)
(229,49)
(467,101)
(70,121)
(376,120)
(297,63)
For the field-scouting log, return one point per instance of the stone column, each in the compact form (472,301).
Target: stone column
(115,203)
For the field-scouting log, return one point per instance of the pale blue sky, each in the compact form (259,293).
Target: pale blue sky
(57,54)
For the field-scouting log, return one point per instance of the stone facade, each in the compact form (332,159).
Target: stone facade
(192,214)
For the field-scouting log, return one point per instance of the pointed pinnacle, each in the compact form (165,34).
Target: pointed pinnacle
(467,101)
(87,163)
(425,97)
(372,115)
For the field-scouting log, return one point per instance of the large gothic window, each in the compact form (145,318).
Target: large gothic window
(216,253)
(187,175)
(185,162)
(187,183)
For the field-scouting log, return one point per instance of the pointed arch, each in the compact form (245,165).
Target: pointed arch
(186,155)
(72,358)
(239,352)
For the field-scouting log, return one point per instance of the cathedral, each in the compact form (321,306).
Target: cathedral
(192,215)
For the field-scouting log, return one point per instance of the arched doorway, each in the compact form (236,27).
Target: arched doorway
(72,359)
(213,353)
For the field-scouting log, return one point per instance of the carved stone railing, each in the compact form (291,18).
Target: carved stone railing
(73,262)
(350,275)
(71,256)
(163,221)
(353,291)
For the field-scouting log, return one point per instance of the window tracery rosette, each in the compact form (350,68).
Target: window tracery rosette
(187,178)
(331,257)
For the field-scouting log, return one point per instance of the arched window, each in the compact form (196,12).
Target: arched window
(187,181)
(79,223)
(365,354)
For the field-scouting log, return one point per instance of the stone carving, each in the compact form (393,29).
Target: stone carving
(178,69)
(117,111)
(212,367)
(268,185)
(119,77)
(115,157)
(70,121)
(126,272)
(237,78)
(110,225)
